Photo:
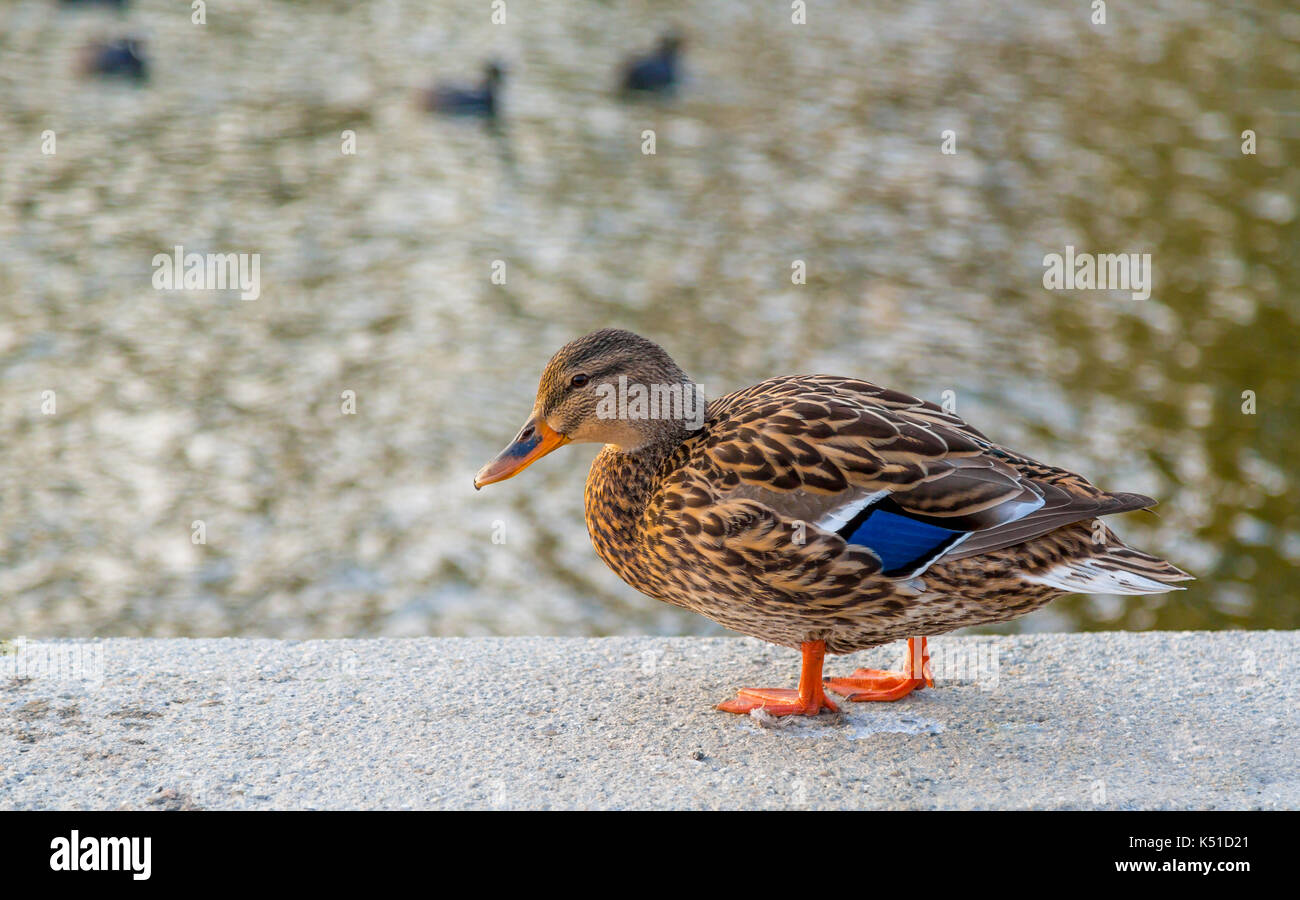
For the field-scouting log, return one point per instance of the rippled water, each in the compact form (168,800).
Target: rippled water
(818,143)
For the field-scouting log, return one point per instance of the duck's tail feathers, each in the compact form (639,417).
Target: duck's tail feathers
(1114,568)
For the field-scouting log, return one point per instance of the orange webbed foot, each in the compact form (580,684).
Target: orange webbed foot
(875,684)
(808,700)
(778,702)
(879,685)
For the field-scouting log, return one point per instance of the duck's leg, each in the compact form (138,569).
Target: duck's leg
(809,700)
(876,684)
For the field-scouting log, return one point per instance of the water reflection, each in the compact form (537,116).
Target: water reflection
(818,143)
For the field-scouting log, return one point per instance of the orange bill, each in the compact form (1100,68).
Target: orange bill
(535,440)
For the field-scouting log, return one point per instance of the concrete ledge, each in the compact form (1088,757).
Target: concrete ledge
(1119,721)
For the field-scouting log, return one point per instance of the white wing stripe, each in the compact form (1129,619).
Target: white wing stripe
(840,516)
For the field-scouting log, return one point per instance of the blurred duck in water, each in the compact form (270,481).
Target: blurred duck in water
(656,73)
(122,58)
(459,100)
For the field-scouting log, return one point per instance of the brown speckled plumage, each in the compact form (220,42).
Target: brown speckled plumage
(678,523)
(723,520)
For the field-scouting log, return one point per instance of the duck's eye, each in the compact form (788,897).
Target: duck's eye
(579,380)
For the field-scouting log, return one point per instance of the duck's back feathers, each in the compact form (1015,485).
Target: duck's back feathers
(886,471)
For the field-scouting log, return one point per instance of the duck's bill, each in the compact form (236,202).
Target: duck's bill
(535,440)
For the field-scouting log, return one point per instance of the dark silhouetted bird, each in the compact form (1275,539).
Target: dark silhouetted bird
(122,58)
(657,72)
(458,100)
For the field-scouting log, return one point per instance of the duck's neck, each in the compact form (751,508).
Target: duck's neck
(619,486)
(626,478)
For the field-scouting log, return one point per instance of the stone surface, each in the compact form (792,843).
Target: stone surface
(1114,720)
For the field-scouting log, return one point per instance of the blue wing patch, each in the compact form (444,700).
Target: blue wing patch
(904,545)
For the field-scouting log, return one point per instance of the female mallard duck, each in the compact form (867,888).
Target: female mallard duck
(819,512)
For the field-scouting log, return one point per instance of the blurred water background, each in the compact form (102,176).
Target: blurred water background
(818,143)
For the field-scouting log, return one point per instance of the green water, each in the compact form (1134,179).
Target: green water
(818,143)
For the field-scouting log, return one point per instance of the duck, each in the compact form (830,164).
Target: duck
(821,513)
(657,71)
(459,100)
(120,58)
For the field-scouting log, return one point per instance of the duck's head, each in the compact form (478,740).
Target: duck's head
(607,387)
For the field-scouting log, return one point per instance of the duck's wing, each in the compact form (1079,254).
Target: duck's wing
(710,541)
(885,471)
